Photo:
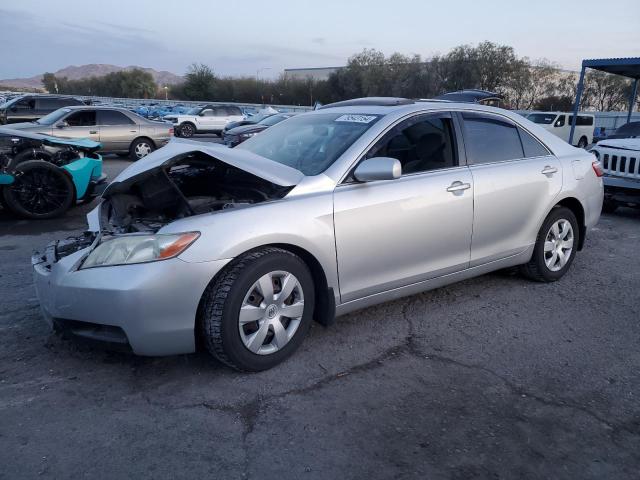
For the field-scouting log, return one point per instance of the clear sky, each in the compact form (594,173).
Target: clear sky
(241,36)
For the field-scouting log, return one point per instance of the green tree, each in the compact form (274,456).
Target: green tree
(200,83)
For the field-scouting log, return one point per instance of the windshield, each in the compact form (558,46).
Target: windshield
(543,118)
(310,143)
(272,120)
(53,117)
(8,103)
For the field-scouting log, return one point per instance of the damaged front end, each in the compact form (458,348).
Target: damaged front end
(191,181)
(192,184)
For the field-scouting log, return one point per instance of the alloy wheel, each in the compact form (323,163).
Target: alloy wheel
(271,312)
(558,245)
(39,191)
(142,149)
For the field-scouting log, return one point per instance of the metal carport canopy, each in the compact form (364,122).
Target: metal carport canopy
(626,67)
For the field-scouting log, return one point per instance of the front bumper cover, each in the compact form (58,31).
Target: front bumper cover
(154,303)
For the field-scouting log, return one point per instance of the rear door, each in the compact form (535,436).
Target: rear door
(393,233)
(116,129)
(78,124)
(516,181)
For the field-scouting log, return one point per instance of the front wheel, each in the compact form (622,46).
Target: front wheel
(259,309)
(555,247)
(40,190)
(187,130)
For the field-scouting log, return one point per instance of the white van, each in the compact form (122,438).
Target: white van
(559,124)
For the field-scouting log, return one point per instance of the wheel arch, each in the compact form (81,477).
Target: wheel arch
(573,204)
(325,303)
(143,137)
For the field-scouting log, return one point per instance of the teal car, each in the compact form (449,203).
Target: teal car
(43,176)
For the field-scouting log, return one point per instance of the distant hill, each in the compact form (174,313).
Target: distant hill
(74,72)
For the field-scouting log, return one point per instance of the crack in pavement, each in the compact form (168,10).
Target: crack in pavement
(249,412)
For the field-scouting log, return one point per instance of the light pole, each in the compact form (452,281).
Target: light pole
(257,78)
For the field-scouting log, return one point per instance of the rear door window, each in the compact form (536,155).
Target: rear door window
(490,139)
(113,117)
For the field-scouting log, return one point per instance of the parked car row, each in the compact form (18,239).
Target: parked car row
(321,214)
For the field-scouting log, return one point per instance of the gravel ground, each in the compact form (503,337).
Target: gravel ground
(494,377)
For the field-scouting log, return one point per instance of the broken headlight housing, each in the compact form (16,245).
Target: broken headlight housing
(132,249)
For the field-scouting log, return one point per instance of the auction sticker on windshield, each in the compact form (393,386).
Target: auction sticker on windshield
(356,118)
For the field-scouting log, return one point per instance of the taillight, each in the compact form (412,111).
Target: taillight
(171,131)
(597,167)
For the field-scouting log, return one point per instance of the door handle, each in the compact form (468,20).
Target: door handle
(549,170)
(92,132)
(133,131)
(458,186)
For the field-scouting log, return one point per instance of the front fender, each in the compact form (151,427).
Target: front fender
(230,233)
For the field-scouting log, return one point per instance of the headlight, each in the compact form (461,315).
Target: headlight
(130,249)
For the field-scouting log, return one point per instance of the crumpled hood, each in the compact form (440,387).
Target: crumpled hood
(252,127)
(622,143)
(262,167)
(83,143)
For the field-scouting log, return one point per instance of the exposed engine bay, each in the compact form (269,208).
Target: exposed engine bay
(17,148)
(191,184)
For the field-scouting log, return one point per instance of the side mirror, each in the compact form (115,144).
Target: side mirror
(62,124)
(378,168)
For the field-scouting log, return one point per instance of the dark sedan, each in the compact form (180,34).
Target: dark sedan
(628,130)
(237,135)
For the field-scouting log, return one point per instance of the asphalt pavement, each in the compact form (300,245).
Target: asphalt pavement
(494,377)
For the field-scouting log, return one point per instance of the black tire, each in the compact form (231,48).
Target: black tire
(40,190)
(139,146)
(221,302)
(187,130)
(124,155)
(583,142)
(536,269)
(29,154)
(609,206)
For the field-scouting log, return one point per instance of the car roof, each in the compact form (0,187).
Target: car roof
(96,107)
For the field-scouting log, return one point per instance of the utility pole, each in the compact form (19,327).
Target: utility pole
(257,78)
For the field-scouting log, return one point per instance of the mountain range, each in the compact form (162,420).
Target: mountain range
(75,72)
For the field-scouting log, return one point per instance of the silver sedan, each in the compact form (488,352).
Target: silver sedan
(325,213)
(117,129)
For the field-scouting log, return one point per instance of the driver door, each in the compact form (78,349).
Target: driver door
(207,119)
(393,233)
(78,124)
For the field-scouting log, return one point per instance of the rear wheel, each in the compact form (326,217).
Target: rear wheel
(555,247)
(40,190)
(140,148)
(258,311)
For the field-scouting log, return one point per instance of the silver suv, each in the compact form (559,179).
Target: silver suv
(322,214)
